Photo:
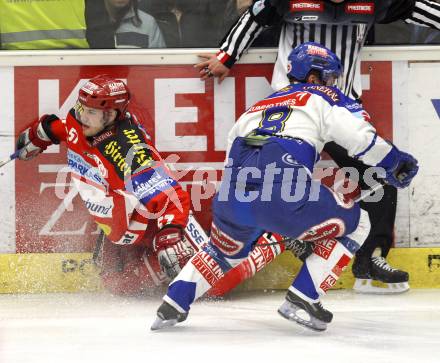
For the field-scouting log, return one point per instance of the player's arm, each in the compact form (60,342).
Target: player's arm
(419,12)
(239,38)
(165,201)
(37,136)
(351,130)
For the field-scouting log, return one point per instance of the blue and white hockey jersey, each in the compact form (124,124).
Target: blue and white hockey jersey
(317,115)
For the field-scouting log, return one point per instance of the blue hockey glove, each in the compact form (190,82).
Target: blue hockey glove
(400,168)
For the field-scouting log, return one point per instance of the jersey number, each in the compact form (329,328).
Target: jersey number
(274,118)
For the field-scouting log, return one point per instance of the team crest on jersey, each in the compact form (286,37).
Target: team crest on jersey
(360,8)
(297,6)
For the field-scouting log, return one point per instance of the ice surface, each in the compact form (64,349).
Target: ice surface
(99,327)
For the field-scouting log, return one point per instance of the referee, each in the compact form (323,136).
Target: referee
(341,26)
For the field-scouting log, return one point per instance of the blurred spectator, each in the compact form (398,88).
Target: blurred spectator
(187,23)
(36,24)
(234,9)
(120,24)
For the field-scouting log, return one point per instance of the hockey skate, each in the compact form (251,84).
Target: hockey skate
(167,316)
(310,315)
(378,277)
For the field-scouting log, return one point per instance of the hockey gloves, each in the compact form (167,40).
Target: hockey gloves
(33,140)
(400,168)
(173,250)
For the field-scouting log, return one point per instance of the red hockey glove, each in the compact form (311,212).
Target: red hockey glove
(173,250)
(33,140)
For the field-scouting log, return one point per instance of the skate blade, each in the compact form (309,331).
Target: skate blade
(162,324)
(289,311)
(367,286)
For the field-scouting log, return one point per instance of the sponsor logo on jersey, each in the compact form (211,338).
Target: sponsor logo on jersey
(360,8)
(98,209)
(207,267)
(331,228)
(79,166)
(287,100)
(141,154)
(296,6)
(225,243)
(127,239)
(328,283)
(354,106)
(113,150)
(341,265)
(150,183)
(194,234)
(309,18)
(325,248)
(101,167)
(262,256)
(329,92)
(104,136)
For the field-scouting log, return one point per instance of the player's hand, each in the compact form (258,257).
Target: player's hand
(173,250)
(405,170)
(32,141)
(210,66)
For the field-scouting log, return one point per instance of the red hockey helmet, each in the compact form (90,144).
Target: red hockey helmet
(105,93)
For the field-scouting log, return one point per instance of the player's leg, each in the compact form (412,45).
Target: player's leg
(339,230)
(367,268)
(130,270)
(318,274)
(205,270)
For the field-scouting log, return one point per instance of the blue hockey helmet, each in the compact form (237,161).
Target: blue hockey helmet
(308,56)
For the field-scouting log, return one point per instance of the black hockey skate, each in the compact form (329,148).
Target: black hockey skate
(378,277)
(300,249)
(167,316)
(294,306)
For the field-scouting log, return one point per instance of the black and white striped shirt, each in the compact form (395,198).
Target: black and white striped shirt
(345,40)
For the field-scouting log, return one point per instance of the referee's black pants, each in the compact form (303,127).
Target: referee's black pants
(382,213)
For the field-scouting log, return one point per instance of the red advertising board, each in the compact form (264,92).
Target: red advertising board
(46,223)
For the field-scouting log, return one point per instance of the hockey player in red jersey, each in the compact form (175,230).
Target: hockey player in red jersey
(141,209)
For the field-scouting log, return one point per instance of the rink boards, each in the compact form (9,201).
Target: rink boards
(71,272)
(44,224)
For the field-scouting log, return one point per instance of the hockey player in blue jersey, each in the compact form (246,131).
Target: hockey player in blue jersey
(267,186)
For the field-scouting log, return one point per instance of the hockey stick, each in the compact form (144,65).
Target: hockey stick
(12,157)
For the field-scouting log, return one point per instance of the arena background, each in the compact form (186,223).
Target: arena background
(45,241)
